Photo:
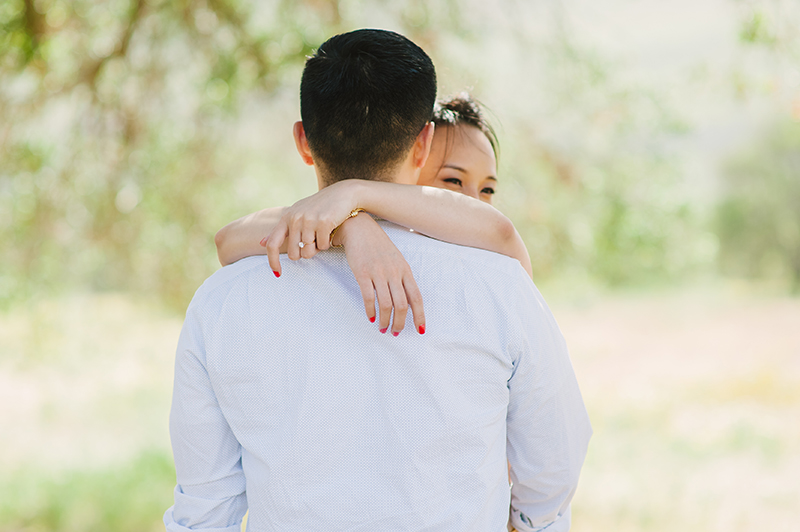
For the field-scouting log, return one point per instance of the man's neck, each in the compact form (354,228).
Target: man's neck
(404,174)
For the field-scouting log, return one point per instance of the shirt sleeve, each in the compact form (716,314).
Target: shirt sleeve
(548,427)
(210,491)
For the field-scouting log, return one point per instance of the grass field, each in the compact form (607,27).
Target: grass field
(694,398)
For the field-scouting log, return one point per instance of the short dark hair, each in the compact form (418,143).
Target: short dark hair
(364,97)
(464,109)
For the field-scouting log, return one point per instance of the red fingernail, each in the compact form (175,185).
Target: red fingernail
(383,331)
(422,329)
(372,319)
(263,242)
(277,274)
(396,333)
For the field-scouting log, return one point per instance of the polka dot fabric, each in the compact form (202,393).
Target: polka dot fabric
(289,402)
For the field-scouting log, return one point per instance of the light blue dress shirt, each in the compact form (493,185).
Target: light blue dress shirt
(289,402)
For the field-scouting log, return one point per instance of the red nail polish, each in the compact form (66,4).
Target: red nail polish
(263,242)
(383,331)
(395,334)
(277,274)
(372,319)
(422,329)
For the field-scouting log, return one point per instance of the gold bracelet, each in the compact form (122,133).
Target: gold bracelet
(352,214)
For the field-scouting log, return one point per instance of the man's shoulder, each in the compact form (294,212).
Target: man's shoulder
(416,245)
(252,277)
(224,279)
(492,277)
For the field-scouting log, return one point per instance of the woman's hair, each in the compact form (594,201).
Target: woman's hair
(463,109)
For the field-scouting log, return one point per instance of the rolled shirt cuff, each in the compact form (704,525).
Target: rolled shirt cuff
(522,523)
(172,526)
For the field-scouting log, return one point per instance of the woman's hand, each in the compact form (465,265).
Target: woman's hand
(380,268)
(310,222)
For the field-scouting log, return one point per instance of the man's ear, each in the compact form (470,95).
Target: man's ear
(422,146)
(301,142)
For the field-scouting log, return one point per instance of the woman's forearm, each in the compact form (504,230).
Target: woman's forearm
(241,238)
(438,213)
(444,215)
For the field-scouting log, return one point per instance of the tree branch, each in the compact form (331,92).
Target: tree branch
(90,72)
(33,27)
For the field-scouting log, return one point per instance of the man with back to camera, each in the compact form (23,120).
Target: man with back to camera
(289,404)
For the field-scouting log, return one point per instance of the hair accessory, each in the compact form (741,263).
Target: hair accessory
(352,214)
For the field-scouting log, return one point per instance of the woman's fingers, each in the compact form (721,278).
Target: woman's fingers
(400,304)
(309,245)
(323,238)
(384,305)
(395,298)
(273,245)
(293,242)
(414,297)
(368,293)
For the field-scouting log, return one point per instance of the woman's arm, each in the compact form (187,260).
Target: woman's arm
(441,214)
(444,215)
(438,213)
(241,238)
(380,270)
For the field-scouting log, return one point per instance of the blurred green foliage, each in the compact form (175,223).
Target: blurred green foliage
(117,123)
(758,220)
(129,498)
(755,30)
(127,137)
(112,168)
(606,202)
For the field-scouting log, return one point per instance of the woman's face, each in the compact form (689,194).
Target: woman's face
(461,160)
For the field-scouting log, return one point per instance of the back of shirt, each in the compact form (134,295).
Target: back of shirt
(290,402)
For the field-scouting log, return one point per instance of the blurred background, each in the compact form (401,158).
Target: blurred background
(649,156)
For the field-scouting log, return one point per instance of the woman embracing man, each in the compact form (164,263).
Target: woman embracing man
(290,405)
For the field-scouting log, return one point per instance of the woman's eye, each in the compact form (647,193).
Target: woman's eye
(487,190)
(453,181)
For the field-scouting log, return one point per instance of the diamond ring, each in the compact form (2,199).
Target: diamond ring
(302,244)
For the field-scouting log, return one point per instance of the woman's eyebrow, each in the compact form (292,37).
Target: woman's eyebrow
(463,171)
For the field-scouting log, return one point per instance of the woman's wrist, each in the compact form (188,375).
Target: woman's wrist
(351,226)
(337,240)
(373,196)
(359,190)
(347,193)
